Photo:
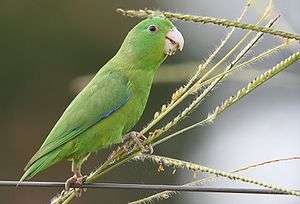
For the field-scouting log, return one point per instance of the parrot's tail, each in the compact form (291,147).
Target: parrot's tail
(40,165)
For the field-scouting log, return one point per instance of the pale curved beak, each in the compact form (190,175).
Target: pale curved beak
(174,41)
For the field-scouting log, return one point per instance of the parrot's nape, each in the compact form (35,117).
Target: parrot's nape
(112,103)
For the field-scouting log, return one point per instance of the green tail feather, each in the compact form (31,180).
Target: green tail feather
(40,165)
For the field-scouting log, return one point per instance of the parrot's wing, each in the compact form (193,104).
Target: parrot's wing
(96,102)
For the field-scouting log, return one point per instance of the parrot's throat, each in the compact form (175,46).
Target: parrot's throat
(140,58)
(139,71)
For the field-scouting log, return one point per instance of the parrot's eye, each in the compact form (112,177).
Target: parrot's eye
(152,28)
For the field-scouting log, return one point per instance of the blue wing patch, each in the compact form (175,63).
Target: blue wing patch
(108,113)
(76,131)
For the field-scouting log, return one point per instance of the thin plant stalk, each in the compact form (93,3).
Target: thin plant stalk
(196,102)
(239,94)
(201,67)
(210,20)
(168,194)
(246,63)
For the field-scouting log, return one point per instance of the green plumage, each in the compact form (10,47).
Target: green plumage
(110,105)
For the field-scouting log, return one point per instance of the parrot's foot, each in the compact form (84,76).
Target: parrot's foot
(75,181)
(139,138)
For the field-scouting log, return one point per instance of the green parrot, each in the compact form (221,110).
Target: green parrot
(112,103)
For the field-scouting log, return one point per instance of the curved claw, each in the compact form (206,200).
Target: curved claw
(75,181)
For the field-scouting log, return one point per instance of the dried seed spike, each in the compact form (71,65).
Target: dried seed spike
(177,94)
(165,196)
(161,167)
(174,171)
(156,115)
(163,108)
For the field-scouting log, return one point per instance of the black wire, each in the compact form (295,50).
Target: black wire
(144,187)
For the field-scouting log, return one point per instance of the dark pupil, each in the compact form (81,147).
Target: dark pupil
(152,28)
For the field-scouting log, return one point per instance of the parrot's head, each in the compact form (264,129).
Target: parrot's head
(153,39)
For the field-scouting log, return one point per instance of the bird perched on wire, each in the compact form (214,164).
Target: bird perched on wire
(112,103)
